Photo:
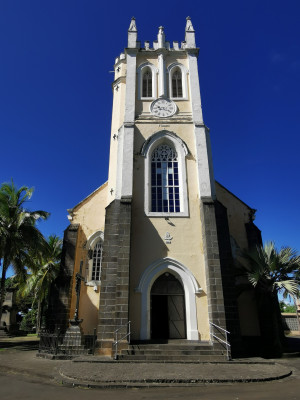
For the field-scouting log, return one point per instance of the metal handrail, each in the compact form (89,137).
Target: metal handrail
(118,340)
(226,342)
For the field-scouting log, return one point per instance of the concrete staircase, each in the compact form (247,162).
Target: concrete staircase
(4,333)
(174,351)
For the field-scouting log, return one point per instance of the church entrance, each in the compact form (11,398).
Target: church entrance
(167,308)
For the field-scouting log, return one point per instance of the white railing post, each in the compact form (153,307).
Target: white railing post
(117,340)
(226,342)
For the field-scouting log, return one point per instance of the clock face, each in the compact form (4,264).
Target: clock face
(163,108)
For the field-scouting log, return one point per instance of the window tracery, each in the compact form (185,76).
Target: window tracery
(165,175)
(164,180)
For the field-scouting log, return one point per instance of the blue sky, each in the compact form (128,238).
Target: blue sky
(56,98)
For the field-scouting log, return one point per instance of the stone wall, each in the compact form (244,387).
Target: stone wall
(114,297)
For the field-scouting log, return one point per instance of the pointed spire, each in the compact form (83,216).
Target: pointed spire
(161,37)
(132,26)
(132,34)
(189,25)
(189,34)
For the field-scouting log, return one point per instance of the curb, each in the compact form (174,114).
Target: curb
(148,383)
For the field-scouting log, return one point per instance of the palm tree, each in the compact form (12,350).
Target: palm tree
(271,272)
(44,268)
(18,231)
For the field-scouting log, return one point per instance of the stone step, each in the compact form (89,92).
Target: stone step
(174,347)
(173,352)
(175,358)
(5,334)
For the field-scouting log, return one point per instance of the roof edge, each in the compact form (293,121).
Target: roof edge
(250,208)
(70,210)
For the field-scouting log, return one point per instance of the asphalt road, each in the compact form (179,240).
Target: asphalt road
(16,386)
(24,385)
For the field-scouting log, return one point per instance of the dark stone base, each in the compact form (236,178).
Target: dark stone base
(114,296)
(73,335)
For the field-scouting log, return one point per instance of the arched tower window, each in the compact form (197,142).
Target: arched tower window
(178,88)
(147,83)
(164,180)
(97,261)
(165,175)
(177,84)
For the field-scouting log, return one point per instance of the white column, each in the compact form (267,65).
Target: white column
(195,88)
(206,181)
(125,152)
(130,86)
(161,76)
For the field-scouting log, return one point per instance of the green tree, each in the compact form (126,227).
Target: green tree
(271,271)
(28,322)
(44,268)
(287,308)
(19,234)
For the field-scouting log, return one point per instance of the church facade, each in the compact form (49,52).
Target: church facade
(157,243)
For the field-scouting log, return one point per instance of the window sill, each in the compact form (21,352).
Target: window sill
(93,283)
(147,98)
(179,98)
(167,214)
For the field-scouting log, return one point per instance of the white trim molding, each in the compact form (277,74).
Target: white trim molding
(184,74)
(140,72)
(190,286)
(158,138)
(96,237)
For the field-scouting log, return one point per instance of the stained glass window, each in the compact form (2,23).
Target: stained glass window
(164,180)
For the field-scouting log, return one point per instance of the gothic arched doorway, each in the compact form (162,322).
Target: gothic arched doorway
(167,308)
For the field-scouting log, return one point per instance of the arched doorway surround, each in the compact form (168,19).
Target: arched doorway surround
(167,308)
(190,286)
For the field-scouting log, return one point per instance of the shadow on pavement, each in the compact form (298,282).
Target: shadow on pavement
(22,346)
(292,346)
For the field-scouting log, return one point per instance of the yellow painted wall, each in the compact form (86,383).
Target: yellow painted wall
(90,214)
(147,240)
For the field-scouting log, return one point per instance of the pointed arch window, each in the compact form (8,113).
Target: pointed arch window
(147,84)
(177,84)
(147,81)
(94,247)
(178,87)
(165,196)
(97,261)
(165,175)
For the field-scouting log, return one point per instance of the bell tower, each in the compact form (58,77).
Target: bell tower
(160,215)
